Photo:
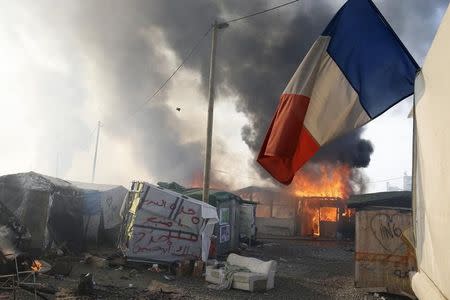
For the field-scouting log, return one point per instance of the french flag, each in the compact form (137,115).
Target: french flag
(356,70)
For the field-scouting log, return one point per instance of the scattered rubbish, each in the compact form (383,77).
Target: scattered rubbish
(157,286)
(283,260)
(119,268)
(86,284)
(60,268)
(130,285)
(132,273)
(59,277)
(117,261)
(199,266)
(169,277)
(154,268)
(259,275)
(95,261)
(184,268)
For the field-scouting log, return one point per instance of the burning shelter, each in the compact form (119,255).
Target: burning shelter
(162,225)
(383,258)
(314,206)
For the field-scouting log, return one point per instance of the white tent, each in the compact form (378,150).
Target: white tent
(431,197)
(102,203)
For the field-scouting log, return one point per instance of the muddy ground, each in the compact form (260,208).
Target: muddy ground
(306,270)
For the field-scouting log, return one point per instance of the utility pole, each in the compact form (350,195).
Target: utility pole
(99,124)
(209,127)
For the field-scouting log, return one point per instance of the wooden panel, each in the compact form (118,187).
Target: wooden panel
(382,258)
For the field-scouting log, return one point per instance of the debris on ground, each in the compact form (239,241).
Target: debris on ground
(96,261)
(60,268)
(86,284)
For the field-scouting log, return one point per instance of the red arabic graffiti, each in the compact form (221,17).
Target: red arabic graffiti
(162,242)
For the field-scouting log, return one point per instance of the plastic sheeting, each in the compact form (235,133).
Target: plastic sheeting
(432,170)
(166,226)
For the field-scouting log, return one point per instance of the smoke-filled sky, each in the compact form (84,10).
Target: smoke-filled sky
(67,64)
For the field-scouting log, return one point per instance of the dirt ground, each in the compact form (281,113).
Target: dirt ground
(306,270)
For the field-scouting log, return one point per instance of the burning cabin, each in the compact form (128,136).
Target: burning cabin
(281,213)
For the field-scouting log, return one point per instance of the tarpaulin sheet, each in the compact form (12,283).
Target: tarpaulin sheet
(168,226)
(111,202)
(432,170)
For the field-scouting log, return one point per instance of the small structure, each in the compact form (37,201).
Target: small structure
(228,207)
(383,258)
(101,211)
(60,213)
(165,226)
(275,211)
(284,214)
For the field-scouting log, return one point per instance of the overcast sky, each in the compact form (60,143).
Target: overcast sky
(68,64)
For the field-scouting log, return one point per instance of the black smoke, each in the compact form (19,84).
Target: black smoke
(350,149)
(125,43)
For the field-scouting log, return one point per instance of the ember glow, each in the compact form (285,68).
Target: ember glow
(328,214)
(36,265)
(196,180)
(327,180)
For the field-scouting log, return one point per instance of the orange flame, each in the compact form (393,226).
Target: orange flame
(327,180)
(36,265)
(196,180)
(348,212)
(328,214)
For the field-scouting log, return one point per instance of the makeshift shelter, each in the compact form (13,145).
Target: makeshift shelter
(101,210)
(62,213)
(282,213)
(383,259)
(165,226)
(276,211)
(50,208)
(431,171)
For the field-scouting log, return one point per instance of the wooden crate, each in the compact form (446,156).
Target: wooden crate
(382,258)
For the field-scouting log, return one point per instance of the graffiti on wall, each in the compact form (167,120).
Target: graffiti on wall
(167,228)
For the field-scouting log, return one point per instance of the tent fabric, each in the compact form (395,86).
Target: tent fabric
(431,171)
(163,225)
(60,212)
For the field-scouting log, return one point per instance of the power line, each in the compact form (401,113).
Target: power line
(176,70)
(261,12)
(197,44)
(186,58)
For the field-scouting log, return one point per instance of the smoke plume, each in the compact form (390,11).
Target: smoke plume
(116,53)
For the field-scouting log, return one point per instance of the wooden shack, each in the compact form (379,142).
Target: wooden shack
(383,259)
